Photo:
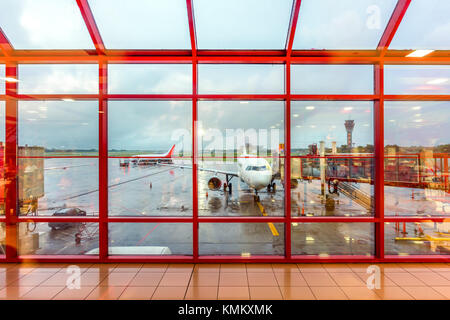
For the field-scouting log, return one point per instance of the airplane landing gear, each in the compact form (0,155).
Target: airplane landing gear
(271,187)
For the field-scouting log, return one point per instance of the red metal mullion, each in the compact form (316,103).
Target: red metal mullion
(195,222)
(103,160)
(287,163)
(292,26)
(392,26)
(89,20)
(379,159)
(192,33)
(11,171)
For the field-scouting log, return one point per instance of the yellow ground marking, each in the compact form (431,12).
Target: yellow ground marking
(270,224)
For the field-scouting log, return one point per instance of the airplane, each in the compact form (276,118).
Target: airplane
(149,159)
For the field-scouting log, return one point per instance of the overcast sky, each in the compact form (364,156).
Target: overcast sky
(236,24)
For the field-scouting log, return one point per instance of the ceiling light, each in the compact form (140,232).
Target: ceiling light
(348,108)
(419,53)
(295,115)
(438,81)
(310,107)
(9,79)
(418,120)
(417,108)
(68,99)
(243,102)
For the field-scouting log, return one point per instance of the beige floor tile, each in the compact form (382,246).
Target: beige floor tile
(360,293)
(105,293)
(297,293)
(347,279)
(393,293)
(169,293)
(233,279)
(92,279)
(42,293)
(34,279)
(415,267)
(390,267)
(311,267)
(56,280)
(445,291)
(337,267)
(146,279)
(180,268)
(319,279)
(384,280)
(137,293)
(359,267)
(13,293)
(119,279)
(233,267)
(285,268)
(234,293)
(9,277)
(74,294)
(328,293)
(423,293)
(261,279)
(202,293)
(438,267)
(404,279)
(431,278)
(154,267)
(259,267)
(290,279)
(207,268)
(203,279)
(175,280)
(265,293)
(99,267)
(445,274)
(128,267)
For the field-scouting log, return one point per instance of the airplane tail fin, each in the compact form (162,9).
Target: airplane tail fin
(170,153)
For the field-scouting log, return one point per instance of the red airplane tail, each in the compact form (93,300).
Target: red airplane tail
(170,153)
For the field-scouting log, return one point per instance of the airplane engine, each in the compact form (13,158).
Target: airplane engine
(214,183)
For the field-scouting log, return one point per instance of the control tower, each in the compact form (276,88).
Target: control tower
(349,125)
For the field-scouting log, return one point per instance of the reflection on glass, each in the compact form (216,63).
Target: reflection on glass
(417,158)
(44,24)
(240,158)
(150,239)
(244,239)
(57,238)
(2,158)
(416,238)
(2,239)
(149,144)
(150,78)
(235,24)
(2,79)
(241,78)
(332,168)
(325,239)
(331,79)
(408,79)
(142,24)
(343,24)
(58,79)
(424,26)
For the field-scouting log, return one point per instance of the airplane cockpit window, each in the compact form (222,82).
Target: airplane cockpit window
(256,168)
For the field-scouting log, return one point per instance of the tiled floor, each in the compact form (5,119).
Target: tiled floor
(226,281)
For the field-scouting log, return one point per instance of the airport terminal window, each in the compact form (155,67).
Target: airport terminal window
(58,149)
(2,79)
(255,24)
(141,135)
(332,166)
(31,24)
(150,239)
(150,78)
(344,24)
(241,79)
(326,239)
(58,78)
(417,144)
(2,240)
(424,26)
(417,238)
(57,238)
(227,145)
(331,79)
(244,239)
(153,24)
(2,159)
(409,79)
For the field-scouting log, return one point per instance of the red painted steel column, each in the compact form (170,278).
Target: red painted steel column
(379,159)
(11,170)
(195,225)
(287,163)
(103,160)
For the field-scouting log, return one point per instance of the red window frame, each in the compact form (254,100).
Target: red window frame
(102,57)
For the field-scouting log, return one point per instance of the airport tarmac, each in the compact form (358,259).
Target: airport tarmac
(167,191)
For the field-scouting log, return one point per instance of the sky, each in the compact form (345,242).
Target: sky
(234,24)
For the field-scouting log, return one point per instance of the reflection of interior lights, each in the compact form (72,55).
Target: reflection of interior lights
(31,119)
(84,123)
(417,115)
(348,108)
(419,53)
(365,124)
(294,224)
(272,127)
(243,102)
(32,111)
(295,115)
(9,79)
(310,107)
(391,120)
(68,100)
(312,126)
(323,255)
(245,254)
(298,126)
(416,108)
(438,81)
(418,120)
(309,239)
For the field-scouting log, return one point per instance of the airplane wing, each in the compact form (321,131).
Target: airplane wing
(215,171)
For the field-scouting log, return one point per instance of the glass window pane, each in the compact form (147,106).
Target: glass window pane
(325,239)
(61,127)
(235,24)
(57,238)
(2,158)
(409,79)
(240,78)
(343,24)
(150,239)
(417,238)
(223,162)
(150,78)
(2,241)
(417,151)
(424,26)
(44,24)
(58,79)
(142,24)
(2,79)
(244,239)
(141,135)
(332,79)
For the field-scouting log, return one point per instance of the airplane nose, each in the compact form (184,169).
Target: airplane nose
(263,180)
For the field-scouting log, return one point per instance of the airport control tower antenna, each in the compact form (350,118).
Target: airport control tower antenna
(349,125)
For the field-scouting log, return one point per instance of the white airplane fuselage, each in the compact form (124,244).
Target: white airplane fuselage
(255,172)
